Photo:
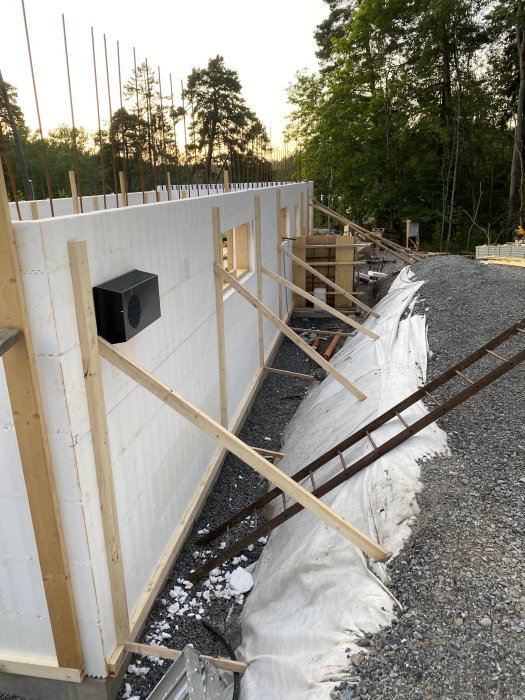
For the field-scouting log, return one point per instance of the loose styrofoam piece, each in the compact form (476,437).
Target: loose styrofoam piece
(241,580)
(315,593)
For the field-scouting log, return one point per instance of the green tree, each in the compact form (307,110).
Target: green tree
(222,125)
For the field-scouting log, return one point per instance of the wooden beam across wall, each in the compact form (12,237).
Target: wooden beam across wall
(28,416)
(162,652)
(219,306)
(329,282)
(87,331)
(240,449)
(321,304)
(250,298)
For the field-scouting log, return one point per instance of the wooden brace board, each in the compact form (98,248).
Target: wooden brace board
(231,442)
(321,304)
(290,334)
(329,282)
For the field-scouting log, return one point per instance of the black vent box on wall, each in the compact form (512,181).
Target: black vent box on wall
(126,305)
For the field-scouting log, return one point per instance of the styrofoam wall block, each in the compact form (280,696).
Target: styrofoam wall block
(158,457)
(24,620)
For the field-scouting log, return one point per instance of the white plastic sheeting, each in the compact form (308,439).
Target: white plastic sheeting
(315,593)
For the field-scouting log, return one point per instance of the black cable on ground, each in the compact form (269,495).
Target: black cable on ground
(236,676)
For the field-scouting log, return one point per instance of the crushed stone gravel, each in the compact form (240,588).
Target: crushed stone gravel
(460,577)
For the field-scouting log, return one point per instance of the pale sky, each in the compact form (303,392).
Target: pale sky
(266,42)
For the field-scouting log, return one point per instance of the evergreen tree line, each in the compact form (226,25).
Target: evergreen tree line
(417,113)
(142,139)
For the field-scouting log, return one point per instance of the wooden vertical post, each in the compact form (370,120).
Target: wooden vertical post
(258,268)
(219,302)
(279,257)
(226,176)
(168,185)
(95,203)
(28,416)
(344,274)
(298,271)
(87,331)
(123,190)
(34,211)
(74,193)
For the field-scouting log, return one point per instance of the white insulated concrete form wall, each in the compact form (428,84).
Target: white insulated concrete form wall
(158,459)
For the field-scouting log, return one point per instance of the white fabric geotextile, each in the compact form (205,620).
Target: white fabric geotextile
(315,593)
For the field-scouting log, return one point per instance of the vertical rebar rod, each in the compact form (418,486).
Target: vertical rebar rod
(101,150)
(111,140)
(139,131)
(185,130)
(151,135)
(175,138)
(73,133)
(44,149)
(125,167)
(194,147)
(162,130)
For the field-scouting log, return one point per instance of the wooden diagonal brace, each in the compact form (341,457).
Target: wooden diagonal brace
(328,281)
(321,304)
(289,333)
(232,443)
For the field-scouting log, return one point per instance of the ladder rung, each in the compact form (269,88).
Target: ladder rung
(312,480)
(372,442)
(402,420)
(463,376)
(498,357)
(520,330)
(432,398)
(342,460)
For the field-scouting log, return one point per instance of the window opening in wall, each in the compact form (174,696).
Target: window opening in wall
(236,251)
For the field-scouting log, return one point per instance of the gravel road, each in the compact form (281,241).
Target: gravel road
(460,577)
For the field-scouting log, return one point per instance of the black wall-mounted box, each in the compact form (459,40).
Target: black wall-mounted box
(126,305)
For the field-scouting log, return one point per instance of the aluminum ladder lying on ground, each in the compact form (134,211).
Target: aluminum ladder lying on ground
(505,364)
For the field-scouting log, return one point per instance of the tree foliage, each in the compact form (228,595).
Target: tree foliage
(413,114)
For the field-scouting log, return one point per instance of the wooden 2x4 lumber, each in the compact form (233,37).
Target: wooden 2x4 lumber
(321,304)
(31,433)
(174,546)
(232,443)
(258,271)
(219,307)
(329,282)
(87,331)
(161,652)
(295,375)
(291,335)
(402,253)
(8,337)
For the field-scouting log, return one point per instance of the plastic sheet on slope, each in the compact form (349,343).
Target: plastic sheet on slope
(315,593)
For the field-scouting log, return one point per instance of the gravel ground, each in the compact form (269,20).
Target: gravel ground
(460,577)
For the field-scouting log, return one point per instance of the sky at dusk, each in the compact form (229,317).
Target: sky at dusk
(265,42)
